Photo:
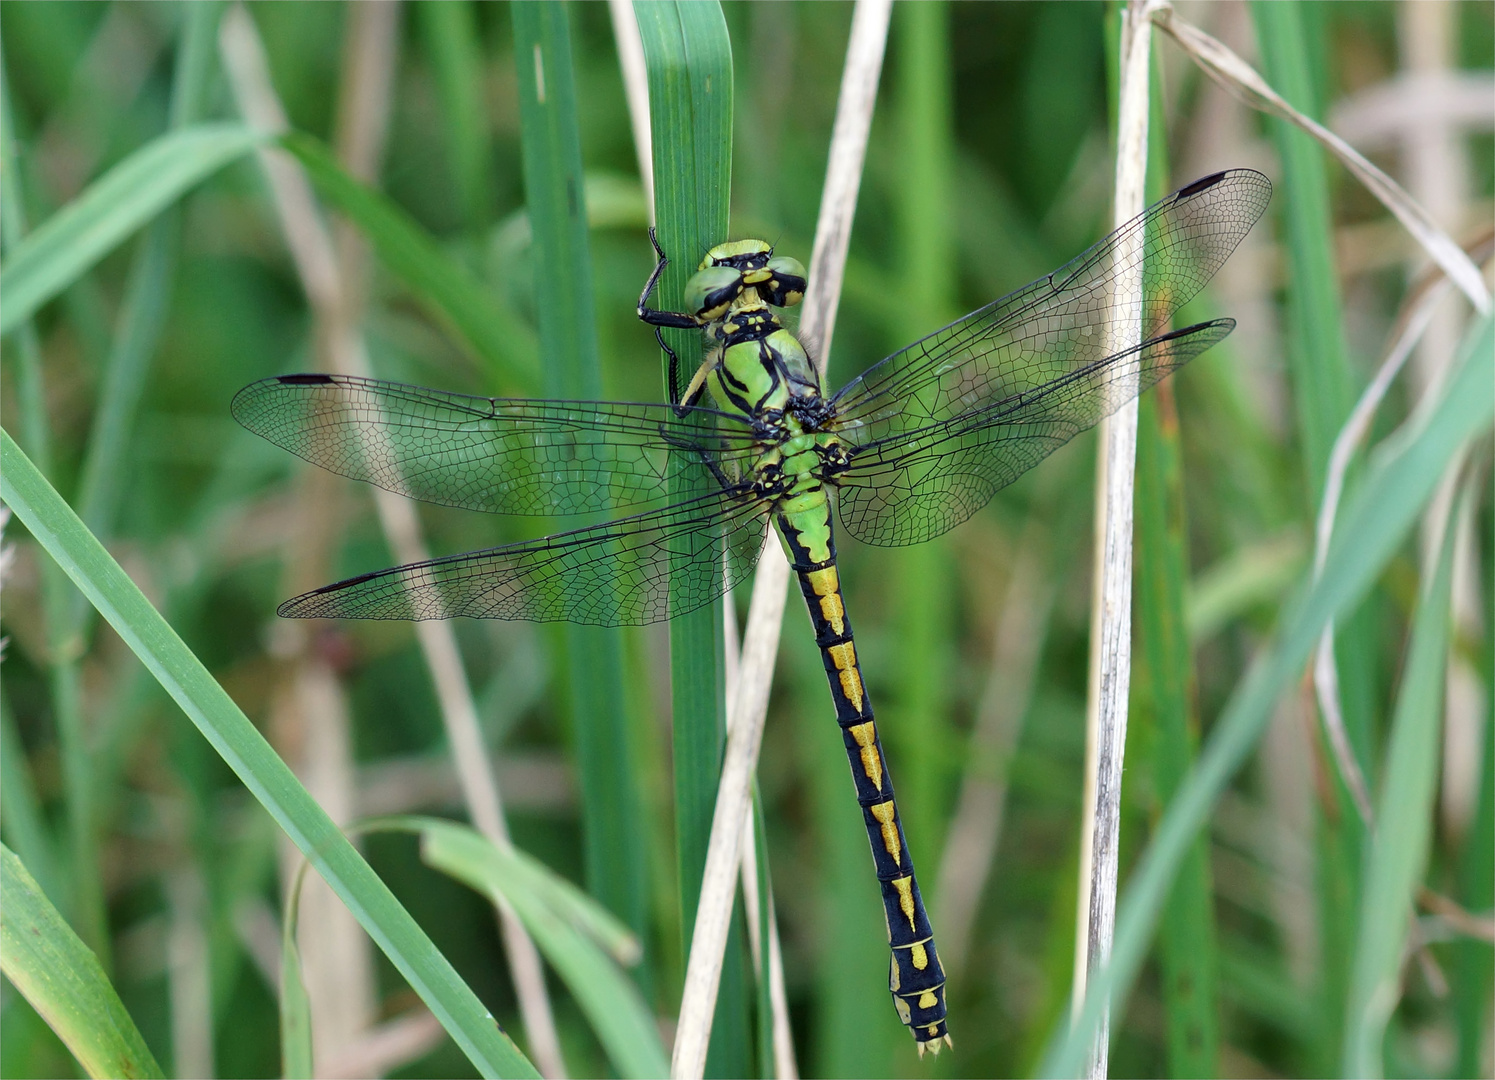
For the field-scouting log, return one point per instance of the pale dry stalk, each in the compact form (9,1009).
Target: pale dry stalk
(1111,611)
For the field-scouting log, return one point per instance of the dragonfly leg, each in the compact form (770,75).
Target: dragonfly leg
(697,385)
(677,320)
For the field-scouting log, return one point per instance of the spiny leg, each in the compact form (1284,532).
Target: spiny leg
(677,320)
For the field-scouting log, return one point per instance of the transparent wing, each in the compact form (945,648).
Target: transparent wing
(635,570)
(915,484)
(1049,330)
(501,455)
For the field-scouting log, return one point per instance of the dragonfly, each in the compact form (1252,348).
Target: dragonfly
(905,451)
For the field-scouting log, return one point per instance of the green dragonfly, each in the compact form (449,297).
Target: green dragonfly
(910,448)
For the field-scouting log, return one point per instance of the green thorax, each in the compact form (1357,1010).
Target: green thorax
(757,365)
(759,370)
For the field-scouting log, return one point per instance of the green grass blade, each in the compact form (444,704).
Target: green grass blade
(1316,350)
(63,980)
(495,333)
(1163,687)
(923,589)
(110,209)
(1293,62)
(762,967)
(54,525)
(295,1008)
(567,925)
(1373,525)
(689,61)
(1405,813)
(1164,691)
(453,45)
(593,656)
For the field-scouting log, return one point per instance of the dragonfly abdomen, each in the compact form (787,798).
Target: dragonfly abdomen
(916,979)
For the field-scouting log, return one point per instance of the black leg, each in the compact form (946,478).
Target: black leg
(677,319)
(673,378)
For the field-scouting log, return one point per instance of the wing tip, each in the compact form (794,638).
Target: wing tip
(239,407)
(1204,183)
(1226,324)
(305,379)
(308,605)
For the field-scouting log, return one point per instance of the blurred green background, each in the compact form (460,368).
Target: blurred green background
(990,164)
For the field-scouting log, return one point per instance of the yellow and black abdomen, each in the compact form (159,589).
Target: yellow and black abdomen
(917,981)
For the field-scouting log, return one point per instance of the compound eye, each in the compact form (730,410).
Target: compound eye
(711,291)
(787,286)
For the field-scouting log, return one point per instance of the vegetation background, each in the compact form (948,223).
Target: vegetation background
(989,165)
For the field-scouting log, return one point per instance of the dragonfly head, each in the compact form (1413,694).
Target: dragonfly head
(730,268)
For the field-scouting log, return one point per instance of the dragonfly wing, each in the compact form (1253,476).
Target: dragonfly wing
(502,455)
(915,484)
(640,569)
(1060,323)
(974,381)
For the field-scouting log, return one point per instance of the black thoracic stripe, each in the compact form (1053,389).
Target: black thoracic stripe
(916,979)
(735,388)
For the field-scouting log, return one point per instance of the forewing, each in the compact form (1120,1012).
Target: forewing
(915,484)
(1061,323)
(635,570)
(502,455)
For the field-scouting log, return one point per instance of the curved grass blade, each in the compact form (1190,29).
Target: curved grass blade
(495,333)
(55,526)
(63,980)
(579,937)
(110,209)
(1371,529)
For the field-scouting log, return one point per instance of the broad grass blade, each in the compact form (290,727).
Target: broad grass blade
(63,980)
(54,525)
